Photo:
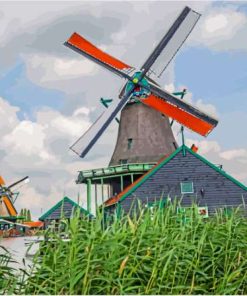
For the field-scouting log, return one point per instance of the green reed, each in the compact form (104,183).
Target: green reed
(154,252)
(10,282)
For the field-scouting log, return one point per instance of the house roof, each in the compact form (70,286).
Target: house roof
(34,224)
(3,221)
(59,204)
(128,190)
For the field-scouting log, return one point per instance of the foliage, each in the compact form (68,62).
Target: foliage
(10,283)
(26,214)
(154,252)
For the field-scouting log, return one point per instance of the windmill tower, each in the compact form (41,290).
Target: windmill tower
(145,133)
(144,136)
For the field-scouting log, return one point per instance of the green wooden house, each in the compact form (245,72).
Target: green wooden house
(64,209)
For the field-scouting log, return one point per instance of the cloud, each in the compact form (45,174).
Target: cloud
(215,23)
(49,68)
(54,23)
(205,146)
(27,138)
(221,29)
(237,154)
(8,115)
(40,149)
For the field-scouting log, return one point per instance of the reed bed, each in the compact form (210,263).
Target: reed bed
(9,279)
(155,252)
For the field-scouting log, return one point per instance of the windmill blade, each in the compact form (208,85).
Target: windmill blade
(25,179)
(180,111)
(87,49)
(87,140)
(2,182)
(9,205)
(171,42)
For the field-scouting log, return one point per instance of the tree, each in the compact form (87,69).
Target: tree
(25,214)
(29,216)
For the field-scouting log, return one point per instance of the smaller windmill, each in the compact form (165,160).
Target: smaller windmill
(141,87)
(8,197)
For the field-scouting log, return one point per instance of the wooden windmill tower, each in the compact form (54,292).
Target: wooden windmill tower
(145,133)
(139,141)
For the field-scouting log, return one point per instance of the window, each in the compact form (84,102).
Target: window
(123,161)
(187,187)
(130,141)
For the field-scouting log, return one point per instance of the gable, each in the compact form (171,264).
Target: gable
(165,179)
(64,208)
(142,179)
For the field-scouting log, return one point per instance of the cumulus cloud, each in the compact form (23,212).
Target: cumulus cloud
(51,68)
(8,115)
(221,29)
(27,138)
(205,146)
(237,154)
(40,149)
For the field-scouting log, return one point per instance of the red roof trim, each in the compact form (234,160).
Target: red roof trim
(34,223)
(117,198)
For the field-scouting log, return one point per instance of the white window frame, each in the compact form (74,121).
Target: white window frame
(181,187)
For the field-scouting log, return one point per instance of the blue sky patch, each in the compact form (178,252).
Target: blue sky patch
(20,91)
(218,78)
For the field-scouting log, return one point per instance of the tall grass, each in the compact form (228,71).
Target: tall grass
(10,281)
(150,253)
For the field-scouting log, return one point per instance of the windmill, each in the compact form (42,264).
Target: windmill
(145,134)
(8,197)
(142,88)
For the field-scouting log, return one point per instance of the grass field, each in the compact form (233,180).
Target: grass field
(157,252)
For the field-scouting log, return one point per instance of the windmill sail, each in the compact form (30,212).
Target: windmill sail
(2,182)
(87,49)
(171,42)
(87,140)
(25,179)
(179,110)
(9,206)
(6,205)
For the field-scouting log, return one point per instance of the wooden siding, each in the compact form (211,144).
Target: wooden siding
(65,210)
(219,191)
